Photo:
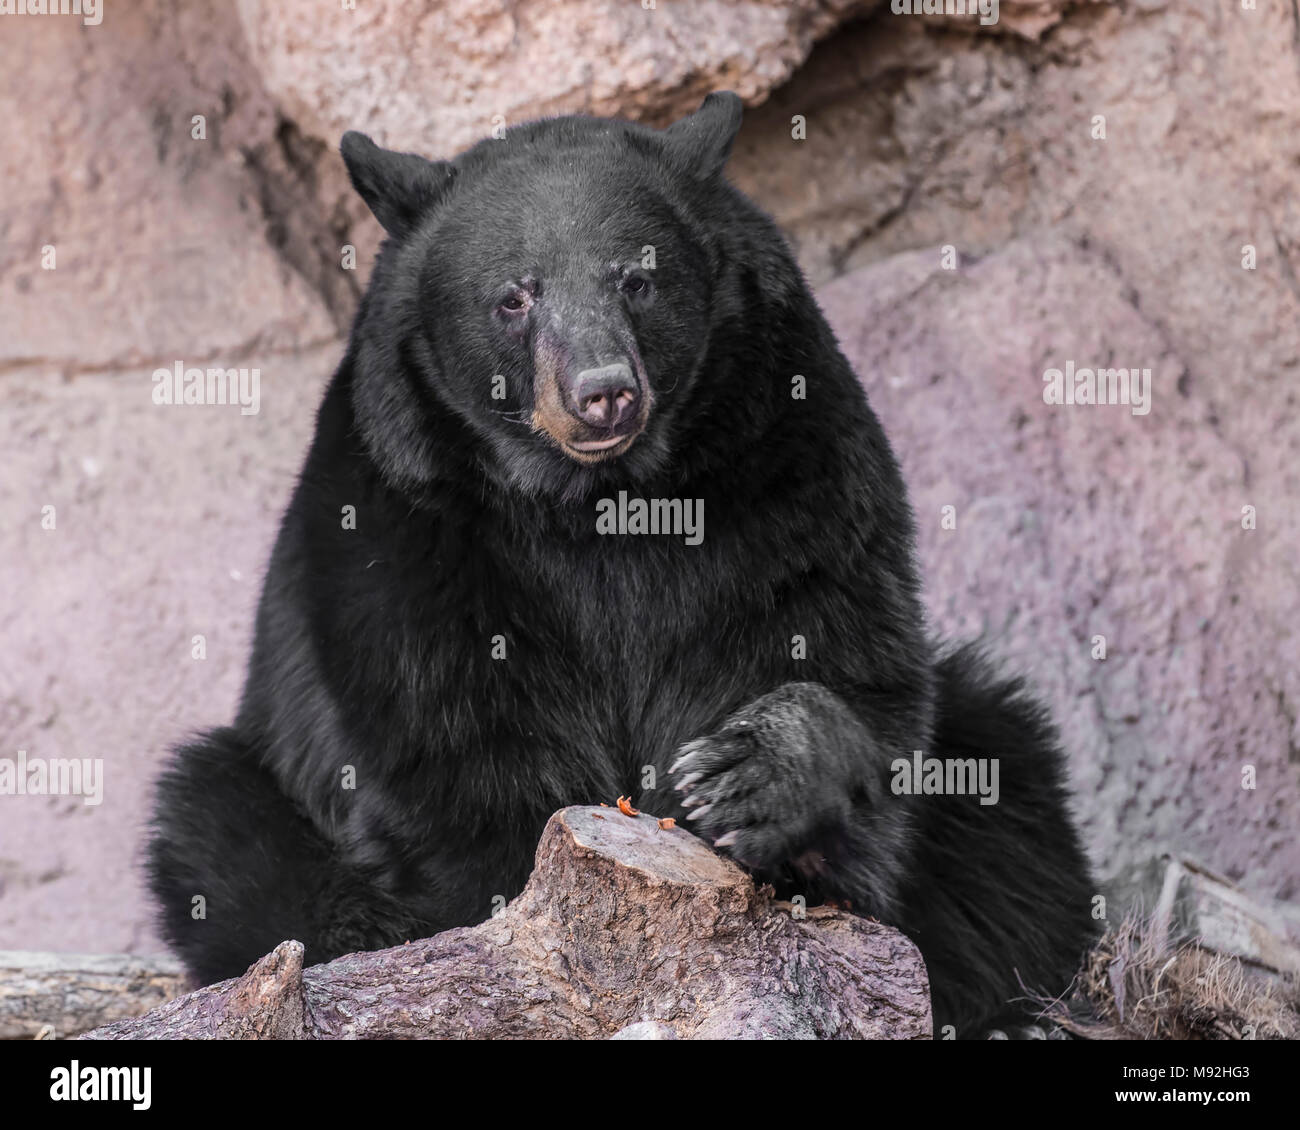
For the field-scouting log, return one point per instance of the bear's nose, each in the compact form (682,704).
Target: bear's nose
(606,397)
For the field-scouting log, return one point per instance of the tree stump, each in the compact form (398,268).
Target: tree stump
(625,929)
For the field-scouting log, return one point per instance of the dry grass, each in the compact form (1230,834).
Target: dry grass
(1134,986)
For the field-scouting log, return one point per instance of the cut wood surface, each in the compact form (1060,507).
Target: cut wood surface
(624,929)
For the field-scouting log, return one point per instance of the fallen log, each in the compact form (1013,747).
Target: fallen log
(56,995)
(624,929)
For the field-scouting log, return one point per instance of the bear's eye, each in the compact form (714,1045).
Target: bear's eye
(516,302)
(635,284)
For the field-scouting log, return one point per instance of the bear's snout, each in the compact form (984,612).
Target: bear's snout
(592,405)
(607,397)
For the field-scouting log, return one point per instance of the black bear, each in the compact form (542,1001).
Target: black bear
(575,329)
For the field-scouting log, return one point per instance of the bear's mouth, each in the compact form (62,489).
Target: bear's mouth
(598,450)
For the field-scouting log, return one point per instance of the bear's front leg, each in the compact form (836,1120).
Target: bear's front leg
(795,787)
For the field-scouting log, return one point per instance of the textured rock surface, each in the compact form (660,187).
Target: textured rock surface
(163,244)
(624,929)
(922,132)
(164,520)
(1079,521)
(438,77)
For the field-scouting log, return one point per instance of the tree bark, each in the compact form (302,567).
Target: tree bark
(624,929)
(55,995)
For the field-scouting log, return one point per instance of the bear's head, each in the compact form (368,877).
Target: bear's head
(544,303)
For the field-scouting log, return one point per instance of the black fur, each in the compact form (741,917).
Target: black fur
(375,644)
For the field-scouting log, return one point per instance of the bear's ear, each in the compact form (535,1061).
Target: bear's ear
(703,140)
(398,187)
